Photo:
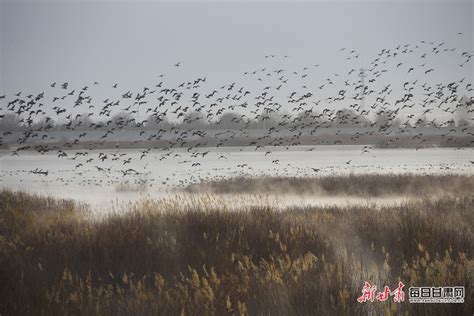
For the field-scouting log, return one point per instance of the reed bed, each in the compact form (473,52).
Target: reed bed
(361,185)
(175,257)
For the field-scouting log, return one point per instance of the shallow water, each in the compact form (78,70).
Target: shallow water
(161,171)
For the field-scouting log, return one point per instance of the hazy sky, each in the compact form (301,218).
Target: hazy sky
(133,42)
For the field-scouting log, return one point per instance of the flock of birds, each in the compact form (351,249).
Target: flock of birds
(287,111)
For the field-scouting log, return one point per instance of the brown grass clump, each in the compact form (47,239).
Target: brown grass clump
(202,260)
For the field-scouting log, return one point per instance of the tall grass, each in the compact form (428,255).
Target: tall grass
(361,185)
(175,257)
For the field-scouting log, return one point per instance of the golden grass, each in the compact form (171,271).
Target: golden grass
(203,260)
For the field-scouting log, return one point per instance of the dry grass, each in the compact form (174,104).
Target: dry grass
(175,258)
(361,185)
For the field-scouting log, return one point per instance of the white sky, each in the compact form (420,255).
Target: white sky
(132,42)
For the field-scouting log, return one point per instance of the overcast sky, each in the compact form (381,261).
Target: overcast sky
(133,42)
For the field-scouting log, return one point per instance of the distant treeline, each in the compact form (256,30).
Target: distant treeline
(231,121)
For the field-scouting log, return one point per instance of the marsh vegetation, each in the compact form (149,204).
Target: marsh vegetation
(191,256)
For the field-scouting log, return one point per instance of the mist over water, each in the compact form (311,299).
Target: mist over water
(158,175)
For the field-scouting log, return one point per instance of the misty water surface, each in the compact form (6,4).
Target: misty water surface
(159,172)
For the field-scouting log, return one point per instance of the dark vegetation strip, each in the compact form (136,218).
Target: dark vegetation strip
(354,185)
